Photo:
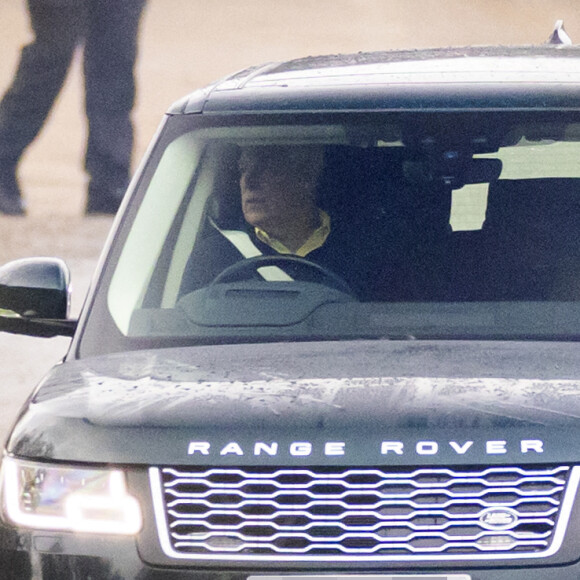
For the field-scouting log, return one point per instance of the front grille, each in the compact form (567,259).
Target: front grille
(369,514)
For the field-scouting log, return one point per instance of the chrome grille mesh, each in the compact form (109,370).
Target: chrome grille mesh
(351,513)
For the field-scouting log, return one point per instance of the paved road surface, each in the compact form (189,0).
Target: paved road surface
(186,44)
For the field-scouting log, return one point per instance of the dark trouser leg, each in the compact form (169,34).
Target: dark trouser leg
(110,54)
(40,75)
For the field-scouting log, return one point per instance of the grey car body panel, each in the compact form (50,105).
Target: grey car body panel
(472,78)
(147,407)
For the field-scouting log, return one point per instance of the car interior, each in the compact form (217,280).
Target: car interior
(525,249)
(408,261)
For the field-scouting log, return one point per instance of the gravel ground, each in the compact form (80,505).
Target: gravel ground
(186,44)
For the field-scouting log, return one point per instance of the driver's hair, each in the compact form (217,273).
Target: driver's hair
(305,161)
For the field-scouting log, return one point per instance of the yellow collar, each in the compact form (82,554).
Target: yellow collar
(314,241)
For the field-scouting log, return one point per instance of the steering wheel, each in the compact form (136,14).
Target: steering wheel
(250,265)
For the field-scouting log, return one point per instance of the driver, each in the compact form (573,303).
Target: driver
(278,195)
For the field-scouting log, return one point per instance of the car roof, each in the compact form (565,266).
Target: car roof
(470,78)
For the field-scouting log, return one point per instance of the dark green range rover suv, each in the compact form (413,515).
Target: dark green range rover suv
(334,334)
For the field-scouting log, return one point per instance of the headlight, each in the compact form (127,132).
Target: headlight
(44,496)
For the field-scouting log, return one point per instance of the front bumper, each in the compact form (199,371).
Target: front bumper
(65,557)
(27,554)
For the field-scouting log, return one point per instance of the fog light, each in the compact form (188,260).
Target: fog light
(44,496)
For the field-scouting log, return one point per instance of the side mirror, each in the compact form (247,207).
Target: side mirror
(34,293)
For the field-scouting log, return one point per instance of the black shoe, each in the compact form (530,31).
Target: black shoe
(10,197)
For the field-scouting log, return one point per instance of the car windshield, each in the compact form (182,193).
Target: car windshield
(348,226)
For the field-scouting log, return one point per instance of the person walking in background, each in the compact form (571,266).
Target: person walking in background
(108,30)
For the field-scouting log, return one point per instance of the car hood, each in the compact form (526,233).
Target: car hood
(364,402)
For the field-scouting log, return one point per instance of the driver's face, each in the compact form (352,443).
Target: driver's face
(273,185)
